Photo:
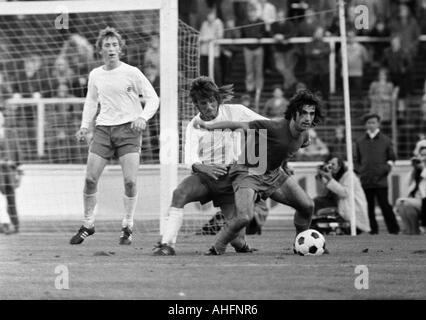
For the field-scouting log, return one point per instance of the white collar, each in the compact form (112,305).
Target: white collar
(372,135)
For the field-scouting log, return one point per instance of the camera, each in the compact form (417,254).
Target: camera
(415,161)
(325,167)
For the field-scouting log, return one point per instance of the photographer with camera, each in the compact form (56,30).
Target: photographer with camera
(334,176)
(410,208)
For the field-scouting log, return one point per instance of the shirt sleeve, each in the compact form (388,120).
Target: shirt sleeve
(340,189)
(145,88)
(241,113)
(90,104)
(191,145)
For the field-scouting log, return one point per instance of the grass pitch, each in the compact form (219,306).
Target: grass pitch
(101,269)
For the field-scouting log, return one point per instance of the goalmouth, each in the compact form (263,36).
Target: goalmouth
(174,82)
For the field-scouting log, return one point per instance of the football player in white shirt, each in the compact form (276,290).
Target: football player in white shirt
(116,86)
(210,155)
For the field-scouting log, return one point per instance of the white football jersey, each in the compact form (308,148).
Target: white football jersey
(218,146)
(118,92)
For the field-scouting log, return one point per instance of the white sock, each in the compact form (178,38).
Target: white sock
(174,222)
(129,209)
(89,203)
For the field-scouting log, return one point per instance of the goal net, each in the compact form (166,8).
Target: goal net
(47,50)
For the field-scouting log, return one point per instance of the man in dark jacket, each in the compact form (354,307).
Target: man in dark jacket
(373,159)
(317,61)
(10,173)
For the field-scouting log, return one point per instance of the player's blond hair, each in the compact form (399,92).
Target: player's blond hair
(109,32)
(205,87)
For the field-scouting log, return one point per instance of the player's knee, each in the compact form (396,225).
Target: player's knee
(90,184)
(179,198)
(130,187)
(308,208)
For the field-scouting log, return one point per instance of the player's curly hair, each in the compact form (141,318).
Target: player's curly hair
(299,100)
(107,33)
(204,88)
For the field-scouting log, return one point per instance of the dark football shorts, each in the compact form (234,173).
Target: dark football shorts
(220,191)
(109,141)
(264,185)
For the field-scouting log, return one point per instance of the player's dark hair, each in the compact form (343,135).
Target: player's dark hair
(338,175)
(204,88)
(421,148)
(371,116)
(107,33)
(301,99)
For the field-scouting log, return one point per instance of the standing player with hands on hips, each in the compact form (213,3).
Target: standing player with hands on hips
(117,86)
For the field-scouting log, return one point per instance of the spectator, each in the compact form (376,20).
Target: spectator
(240,8)
(421,15)
(409,208)
(373,160)
(295,88)
(380,29)
(32,78)
(357,58)
(323,10)
(317,150)
(153,75)
(32,81)
(406,27)
(253,54)
(62,73)
(152,135)
(188,10)
(152,53)
(267,12)
(59,129)
(211,29)
(79,54)
(335,178)
(382,95)
(317,58)
(337,146)
(297,9)
(10,173)
(228,52)
(333,29)
(285,53)
(309,24)
(276,105)
(397,61)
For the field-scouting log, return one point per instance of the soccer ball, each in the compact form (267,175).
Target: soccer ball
(309,243)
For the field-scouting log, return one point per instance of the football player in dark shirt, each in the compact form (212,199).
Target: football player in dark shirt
(275,141)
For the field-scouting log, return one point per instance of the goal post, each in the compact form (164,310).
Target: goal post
(48,29)
(169,135)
